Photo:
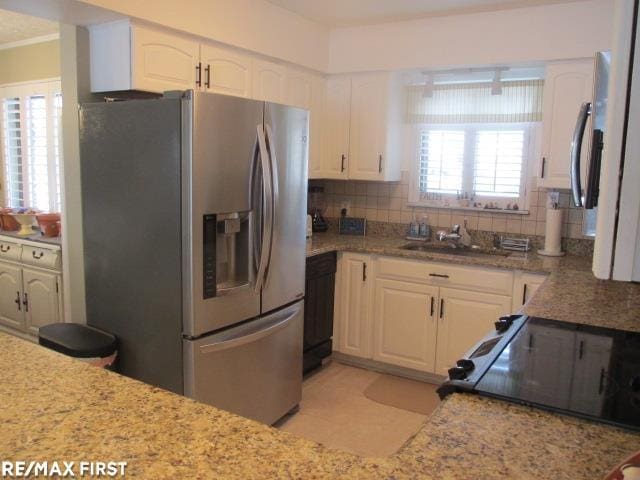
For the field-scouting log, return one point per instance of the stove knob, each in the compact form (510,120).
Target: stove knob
(457,373)
(466,364)
(502,325)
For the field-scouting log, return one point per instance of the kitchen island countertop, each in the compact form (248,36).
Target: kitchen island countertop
(58,408)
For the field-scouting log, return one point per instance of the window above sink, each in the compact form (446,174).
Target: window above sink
(473,138)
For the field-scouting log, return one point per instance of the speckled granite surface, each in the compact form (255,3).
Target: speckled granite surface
(383,245)
(575,296)
(56,408)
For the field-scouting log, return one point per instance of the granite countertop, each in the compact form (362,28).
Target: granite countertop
(58,408)
(36,237)
(384,245)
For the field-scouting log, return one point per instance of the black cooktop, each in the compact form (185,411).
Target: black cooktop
(576,369)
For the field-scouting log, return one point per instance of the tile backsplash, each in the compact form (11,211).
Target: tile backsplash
(387,202)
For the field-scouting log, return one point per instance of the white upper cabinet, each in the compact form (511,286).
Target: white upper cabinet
(335,160)
(567,85)
(269,81)
(362,127)
(316,125)
(299,89)
(368,154)
(225,71)
(125,56)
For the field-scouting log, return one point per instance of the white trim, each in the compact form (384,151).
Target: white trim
(30,41)
(30,82)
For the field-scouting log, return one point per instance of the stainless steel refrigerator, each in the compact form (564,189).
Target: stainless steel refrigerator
(194,211)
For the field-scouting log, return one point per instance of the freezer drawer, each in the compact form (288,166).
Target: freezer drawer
(253,370)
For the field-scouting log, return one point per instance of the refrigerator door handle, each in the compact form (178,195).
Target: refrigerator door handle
(274,188)
(267,217)
(576,147)
(241,338)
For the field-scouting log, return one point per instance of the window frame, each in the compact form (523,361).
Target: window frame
(48,88)
(531,137)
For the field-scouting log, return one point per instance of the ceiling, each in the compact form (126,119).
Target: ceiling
(15,27)
(341,13)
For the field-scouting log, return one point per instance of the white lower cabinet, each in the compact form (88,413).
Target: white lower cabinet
(408,318)
(11,296)
(464,317)
(41,299)
(405,325)
(30,287)
(524,286)
(354,337)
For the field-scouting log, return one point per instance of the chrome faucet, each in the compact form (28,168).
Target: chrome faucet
(453,238)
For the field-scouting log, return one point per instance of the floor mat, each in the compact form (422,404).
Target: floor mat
(403,393)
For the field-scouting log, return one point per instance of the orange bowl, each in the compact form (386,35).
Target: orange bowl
(49,224)
(8,222)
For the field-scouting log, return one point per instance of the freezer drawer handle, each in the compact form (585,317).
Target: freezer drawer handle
(274,326)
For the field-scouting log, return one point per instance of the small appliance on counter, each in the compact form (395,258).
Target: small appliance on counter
(574,369)
(351,225)
(317,206)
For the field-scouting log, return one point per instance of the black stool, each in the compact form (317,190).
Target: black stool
(94,346)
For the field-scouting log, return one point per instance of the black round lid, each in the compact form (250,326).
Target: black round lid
(76,340)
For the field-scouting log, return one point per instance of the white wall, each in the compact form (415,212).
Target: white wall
(533,34)
(255,25)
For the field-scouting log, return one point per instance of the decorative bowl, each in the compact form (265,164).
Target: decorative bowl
(7,222)
(26,222)
(49,224)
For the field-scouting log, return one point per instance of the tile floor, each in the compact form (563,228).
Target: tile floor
(335,412)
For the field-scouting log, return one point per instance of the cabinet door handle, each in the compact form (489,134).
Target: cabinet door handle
(544,160)
(207,76)
(524,294)
(439,275)
(441,307)
(432,304)
(601,386)
(17,300)
(364,272)
(342,162)
(4,249)
(26,302)
(380,163)
(38,256)
(199,74)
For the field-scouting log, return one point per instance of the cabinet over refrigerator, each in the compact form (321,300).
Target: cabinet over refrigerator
(194,209)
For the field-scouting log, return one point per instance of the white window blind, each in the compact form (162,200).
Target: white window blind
(31,145)
(441,161)
(498,159)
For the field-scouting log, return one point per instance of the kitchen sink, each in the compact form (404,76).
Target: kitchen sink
(461,251)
